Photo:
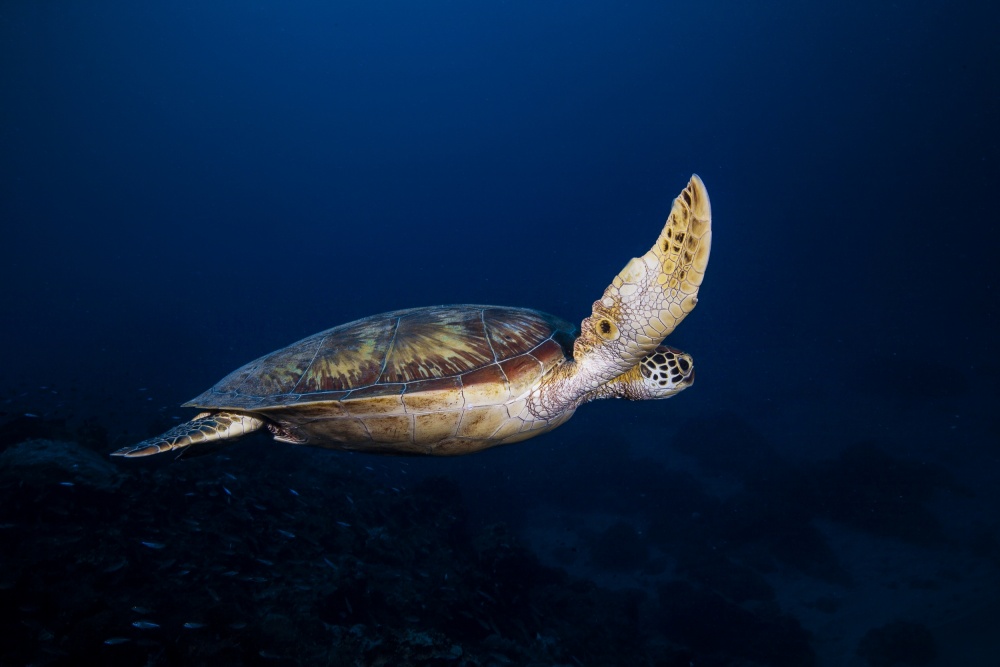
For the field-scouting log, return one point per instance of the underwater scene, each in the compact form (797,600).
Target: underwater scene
(576,334)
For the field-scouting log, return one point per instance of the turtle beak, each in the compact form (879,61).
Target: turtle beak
(685,364)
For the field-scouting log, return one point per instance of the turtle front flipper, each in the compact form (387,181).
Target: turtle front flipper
(651,295)
(206,427)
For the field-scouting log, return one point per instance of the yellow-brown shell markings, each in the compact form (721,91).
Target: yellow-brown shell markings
(432,356)
(437,343)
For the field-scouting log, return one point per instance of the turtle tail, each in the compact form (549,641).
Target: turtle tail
(206,427)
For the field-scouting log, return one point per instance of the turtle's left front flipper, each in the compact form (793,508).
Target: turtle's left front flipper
(206,427)
(651,295)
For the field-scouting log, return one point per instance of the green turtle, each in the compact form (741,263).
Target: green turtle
(448,380)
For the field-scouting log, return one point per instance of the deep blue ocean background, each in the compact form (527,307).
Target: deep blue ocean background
(187,186)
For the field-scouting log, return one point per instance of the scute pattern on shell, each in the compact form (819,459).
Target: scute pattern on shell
(404,351)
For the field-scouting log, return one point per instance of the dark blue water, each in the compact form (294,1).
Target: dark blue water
(185,187)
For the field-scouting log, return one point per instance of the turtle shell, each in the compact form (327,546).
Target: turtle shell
(415,360)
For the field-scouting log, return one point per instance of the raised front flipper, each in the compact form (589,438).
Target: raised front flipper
(206,427)
(641,306)
(651,295)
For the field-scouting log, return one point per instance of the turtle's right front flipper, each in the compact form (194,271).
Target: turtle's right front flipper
(206,427)
(651,295)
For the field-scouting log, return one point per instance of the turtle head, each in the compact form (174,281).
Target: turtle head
(660,374)
(664,372)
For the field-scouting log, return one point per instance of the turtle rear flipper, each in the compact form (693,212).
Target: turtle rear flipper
(206,427)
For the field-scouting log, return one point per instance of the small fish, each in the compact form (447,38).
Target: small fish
(145,625)
(230,573)
(293,492)
(239,625)
(143,389)
(31,415)
(66,484)
(328,562)
(227,491)
(257,580)
(115,641)
(287,534)
(369,468)
(349,499)
(191,625)
(230,476)
(154,545)
(344,524)
(145,611)
(264,561)
(267,655)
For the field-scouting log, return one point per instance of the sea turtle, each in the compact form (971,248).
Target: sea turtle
(457,379)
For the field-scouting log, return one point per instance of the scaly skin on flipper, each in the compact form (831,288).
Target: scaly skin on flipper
(206,427)
(641,306)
